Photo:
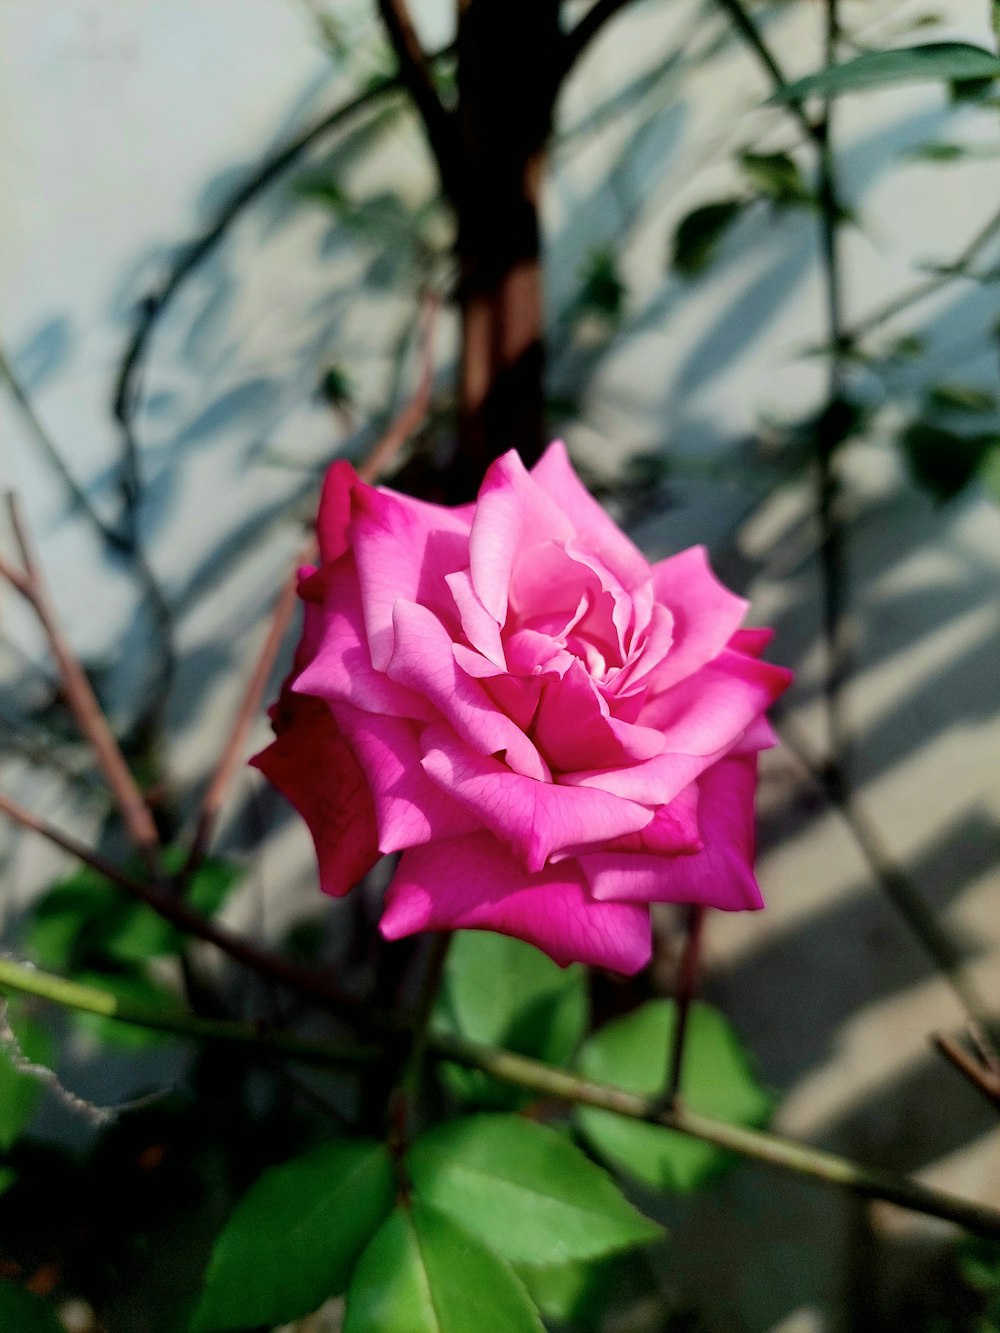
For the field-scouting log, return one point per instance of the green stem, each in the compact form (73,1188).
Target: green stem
(26,980)
(786,1154)
(536,1077)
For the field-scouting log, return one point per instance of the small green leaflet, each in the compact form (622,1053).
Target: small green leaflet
(20,1092)
(524,1190)
(909,64)
(632,1053)
(423,1273)
(699,235)
(505,992)
(295,1236)
(22,1312)
(944,462)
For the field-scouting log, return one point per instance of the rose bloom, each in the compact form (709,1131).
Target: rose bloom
(553,732)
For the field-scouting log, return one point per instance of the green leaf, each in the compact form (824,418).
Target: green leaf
(23,1312)
(632,1053)
(423,1273)
(943,462)
(65,922)
(504,992)
(602,291)
(699,235)
(944,61)
(524,1190)
(295,1236)
(8,1176)
(962,398)
(21,1092)
(581,1294)
(777,176)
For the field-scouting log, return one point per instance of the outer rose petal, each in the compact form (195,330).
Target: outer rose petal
(474,883)
(312,766)
(720,875)
(334,517)
(537,820)
(705,613)
(599,533)
(410,809)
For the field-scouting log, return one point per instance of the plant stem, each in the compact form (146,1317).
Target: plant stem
(27,980)
(687,982)
(535,1076)
(771,1149)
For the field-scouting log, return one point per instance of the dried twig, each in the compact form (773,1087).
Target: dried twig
(80,696)
(980,1069)
(171,908)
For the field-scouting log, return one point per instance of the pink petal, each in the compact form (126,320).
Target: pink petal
(423,661)
(478,626)
(554,473)
(404,549)
(512,512)
(673,830)
(720,875)
(334,516)
(752,640)
(654,782)
(312,766)
(335,639)
(573,730)
(535,819)
(473,883)
(705,613)
(409,807)
(712,708)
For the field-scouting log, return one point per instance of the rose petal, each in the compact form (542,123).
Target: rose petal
(512,513)
(705,613)
(712,708)
(474,883)
(554,473)
(535,819)
(312,766)
(573,730)
(423,661)
(409,807)
(720,875)
(673,830)
(478,626)
(335,637)
(403,549)
(334,517)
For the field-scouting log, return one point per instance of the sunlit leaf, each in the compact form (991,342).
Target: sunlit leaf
(524,1190)
(934,61)
(423,1273)
(719,1080)
(698,236)
(295,1236)
(505,992)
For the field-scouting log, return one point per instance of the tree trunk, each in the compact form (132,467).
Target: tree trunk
(508,63)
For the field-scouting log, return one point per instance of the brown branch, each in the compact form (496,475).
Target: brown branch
(80,696)
(171,908)
(579,38)
(979,1073)
(415,75)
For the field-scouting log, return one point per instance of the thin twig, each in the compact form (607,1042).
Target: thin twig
(687,984)
(749,31)
(546,1080)
(416,76)
(171,908)
(579,38)
(81,698)
(377,461)
(979,1074)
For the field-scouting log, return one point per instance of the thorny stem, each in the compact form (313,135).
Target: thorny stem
(547,1081)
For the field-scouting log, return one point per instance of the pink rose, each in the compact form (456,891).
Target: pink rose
(553,732)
